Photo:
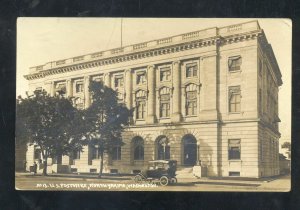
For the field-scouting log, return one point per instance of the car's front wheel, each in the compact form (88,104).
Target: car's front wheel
(164,181)
(173,180)
(138,179)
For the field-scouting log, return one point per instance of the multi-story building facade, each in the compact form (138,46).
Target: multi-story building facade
(209,95)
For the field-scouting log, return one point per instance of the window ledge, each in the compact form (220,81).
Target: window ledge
(235,160)
(164,118)
(194,77)
(140,120)
(235,71)
(234,112)
(190,116)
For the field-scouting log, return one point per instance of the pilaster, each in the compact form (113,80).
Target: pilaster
(52,89)
(209,88)
(128,88)
(151,117)
(107,79)
(176,115)
(69,88)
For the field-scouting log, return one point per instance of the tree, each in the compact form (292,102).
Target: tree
(52,123)
(105,119)
(287,145)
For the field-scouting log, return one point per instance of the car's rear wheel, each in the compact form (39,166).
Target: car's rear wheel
(164,181)
(138,179)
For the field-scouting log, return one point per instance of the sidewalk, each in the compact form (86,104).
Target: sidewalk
(79,176)
(234,181)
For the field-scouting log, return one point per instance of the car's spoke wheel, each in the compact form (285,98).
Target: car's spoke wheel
(138,179)
(164,181)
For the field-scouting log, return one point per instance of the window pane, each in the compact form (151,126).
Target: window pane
(234,149)
(116,153)
(234,63)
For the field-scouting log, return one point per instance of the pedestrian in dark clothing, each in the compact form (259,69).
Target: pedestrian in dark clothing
(34,168)
(24,165)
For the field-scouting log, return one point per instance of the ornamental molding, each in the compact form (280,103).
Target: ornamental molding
(169,49)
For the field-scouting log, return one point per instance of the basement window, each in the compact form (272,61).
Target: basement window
(234,173)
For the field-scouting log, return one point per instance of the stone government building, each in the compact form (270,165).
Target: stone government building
(209,95)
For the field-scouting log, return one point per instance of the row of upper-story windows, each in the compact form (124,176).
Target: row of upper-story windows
(191,70)
(191,100)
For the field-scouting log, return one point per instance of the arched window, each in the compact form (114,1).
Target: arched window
(138,148)
(164,96)
(191,100)
(140,104)
(163,148)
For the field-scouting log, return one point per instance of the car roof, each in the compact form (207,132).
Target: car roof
(161,161)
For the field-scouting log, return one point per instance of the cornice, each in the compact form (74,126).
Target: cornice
(147,52)
(125,57)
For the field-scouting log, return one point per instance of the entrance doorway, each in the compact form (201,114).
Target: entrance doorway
(163,148)
(189,150)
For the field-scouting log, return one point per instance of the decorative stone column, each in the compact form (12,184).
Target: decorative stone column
(128,88)
(176,115)
(151,118)
(209,88)
(52,89)
(69,88)
(107,79)
(87,98)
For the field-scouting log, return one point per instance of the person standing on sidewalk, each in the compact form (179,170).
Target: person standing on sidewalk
(24,165)
(34,168)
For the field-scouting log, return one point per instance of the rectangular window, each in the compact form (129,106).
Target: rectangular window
(76,154)
(165,109)
(234,149)
(38,90)
(140,114)
(95,152)
(79,87)
(165,105)
(191,104)
(116,153)
(37,152)
(191,108)
(119,81)
(234,63)
(191,70)
(140,78)
(165,74)
(60,89)
(234,99)
(234,173)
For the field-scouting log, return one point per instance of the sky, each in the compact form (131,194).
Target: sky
(40,40)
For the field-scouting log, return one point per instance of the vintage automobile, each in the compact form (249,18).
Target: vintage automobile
(162,171)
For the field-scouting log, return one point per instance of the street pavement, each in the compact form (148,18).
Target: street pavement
(74,182)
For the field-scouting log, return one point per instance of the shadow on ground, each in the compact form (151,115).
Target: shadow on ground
(80,177)
(226,183)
